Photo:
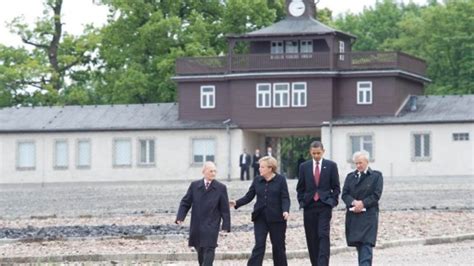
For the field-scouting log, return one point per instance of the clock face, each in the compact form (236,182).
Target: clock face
(296,9)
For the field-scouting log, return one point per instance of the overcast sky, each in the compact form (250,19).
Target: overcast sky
(77,13)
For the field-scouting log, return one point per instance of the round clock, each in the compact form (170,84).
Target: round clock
(296,8)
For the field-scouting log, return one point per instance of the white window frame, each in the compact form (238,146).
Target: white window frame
(209,96)
(364,100)
(25,168)
(423,156)
(55,157)
(277,49)
(306,48)
(361,135)
(205,154)
(280,94)
(461,136)
(261,93)
(342,50)
(148,162)
(83,166)
(114,156)
(296,94)
(292,49)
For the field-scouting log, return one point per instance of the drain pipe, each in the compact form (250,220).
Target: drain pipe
(330,140)
(229,146)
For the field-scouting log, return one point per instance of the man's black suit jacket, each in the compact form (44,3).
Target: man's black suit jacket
(209,208)
(247,160)
(329,186)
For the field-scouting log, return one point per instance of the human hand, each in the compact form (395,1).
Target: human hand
(358,206)
(178,222)
(286,215)
(232,203)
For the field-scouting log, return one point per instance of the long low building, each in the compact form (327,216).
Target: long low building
(109,143)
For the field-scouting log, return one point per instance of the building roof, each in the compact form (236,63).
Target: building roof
(295,26)
(429,109)
(162,116)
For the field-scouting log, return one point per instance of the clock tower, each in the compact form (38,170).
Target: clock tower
(300,8)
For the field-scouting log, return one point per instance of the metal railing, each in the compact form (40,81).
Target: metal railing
(290,62)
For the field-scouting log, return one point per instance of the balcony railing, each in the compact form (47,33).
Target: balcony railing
(292,62)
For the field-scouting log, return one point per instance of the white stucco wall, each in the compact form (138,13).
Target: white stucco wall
(393,149)
(173,156)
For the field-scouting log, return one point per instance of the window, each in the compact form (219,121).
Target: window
(359,143)
(281,95)
(277,50)
(421,146)
(277,47)
(298,94)
(460,136)
(291,49)
(147,152)
(122,152)
(26,155)
(341,50)
(208,97)
(263,95)
(61,154)
(306,47)
(83,153)
(203,150)
(364,92)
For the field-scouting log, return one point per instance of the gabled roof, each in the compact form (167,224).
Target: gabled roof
(429,109)
(294,26)
(98,118)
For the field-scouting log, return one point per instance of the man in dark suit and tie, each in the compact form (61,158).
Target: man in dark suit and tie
(361,194)
(255,164)
(210,205)
(244,163)
(318,191)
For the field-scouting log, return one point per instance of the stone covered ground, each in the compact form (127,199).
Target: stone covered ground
(137,217)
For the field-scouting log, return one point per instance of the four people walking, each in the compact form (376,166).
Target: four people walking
(318,190)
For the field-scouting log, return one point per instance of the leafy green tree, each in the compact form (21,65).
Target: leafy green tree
(42,74)
(373,26)
(135,44)
(442,34)
(324,15)
(143,39)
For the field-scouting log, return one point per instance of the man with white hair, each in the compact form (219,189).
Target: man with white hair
(210,205)
(361,194)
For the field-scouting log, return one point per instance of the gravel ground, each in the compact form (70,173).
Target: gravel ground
(138,198)
(458,254)
(394,225)
(411,208)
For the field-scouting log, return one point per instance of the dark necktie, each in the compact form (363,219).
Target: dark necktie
(207,184)
(316,180)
